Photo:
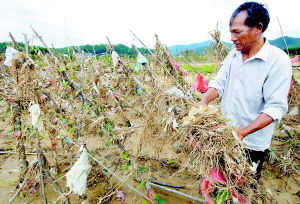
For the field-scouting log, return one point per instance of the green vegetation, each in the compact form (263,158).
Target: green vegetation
(206,68)
(93,49)
(32,49)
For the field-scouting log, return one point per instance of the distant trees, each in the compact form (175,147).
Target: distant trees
(101,49)
(94,49)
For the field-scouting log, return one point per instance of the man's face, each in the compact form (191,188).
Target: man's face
(241,35)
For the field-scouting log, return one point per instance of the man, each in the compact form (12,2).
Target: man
(253,82)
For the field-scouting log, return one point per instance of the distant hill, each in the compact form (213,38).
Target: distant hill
(197,47)
(293,43)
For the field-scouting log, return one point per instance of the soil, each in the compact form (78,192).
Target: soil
(276,188)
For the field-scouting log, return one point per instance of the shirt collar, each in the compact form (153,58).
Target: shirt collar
(262,53)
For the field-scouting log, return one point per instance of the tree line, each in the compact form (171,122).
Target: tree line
(93,49)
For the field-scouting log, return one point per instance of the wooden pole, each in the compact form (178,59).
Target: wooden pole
(26,43)
(66,78)
(183,89)
(187,62)
(17,47)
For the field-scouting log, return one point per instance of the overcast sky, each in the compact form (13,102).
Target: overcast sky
(78,22)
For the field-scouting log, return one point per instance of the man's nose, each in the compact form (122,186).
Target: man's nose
(233,37)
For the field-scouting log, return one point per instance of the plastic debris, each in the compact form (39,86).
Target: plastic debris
(150,195)
(9,55)
(140,61)
(216,176)
(120,196)
(43,97)
(175,92)
(295,59)
(175,124)
(115,58)
(77,176)
(35,113)
(200,85)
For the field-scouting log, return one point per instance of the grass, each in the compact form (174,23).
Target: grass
(206,68)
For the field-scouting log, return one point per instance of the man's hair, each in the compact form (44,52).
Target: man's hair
(257,13)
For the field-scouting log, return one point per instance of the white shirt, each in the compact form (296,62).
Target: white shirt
(259,85)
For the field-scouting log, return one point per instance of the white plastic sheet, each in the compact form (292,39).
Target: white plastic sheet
(77,176)
(9,55)
(175,92)
(115,58)
(35,113)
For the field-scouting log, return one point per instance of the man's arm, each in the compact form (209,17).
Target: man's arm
(260,122)
(209,96)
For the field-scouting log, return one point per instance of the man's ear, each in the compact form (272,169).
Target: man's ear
(260,27)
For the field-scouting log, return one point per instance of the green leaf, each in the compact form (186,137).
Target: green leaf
(78,91)
(61,69)
(64,84)
(125,155)
(144,202)
(142,168)
(291,133)
(72,129)
(222,197)
(155,196)
(125,167)
(171,162)
(108,143)
(108,127)
(160,201)
(70,122)
(86,106)
(142,184)
(62,121)
(129,163)
(272,150)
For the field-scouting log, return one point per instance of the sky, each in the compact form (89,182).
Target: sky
(64,23)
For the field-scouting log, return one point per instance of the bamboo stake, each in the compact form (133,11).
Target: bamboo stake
(178,193)
(107,169)
(57,107)
(26,43)
(125,69)
(20,147)
(287,49)
(187,62)
(66,78)
(57,187)
(42,180)
(183,89)
(23,183)
(14,41)
(42,41)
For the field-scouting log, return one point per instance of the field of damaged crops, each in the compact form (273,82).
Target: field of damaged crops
(125,129)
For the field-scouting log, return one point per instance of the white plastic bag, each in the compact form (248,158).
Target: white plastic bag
(115,58)
(35,113)
(77,176)
(175,92)
(9,55)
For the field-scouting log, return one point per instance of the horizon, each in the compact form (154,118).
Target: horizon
(72,23)
(41,45)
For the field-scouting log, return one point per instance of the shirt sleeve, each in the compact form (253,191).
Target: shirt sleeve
(219,82)
(276,89)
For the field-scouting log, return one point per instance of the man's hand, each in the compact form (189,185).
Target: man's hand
(260,122)
(209,96)
(201,104)
(240,133)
